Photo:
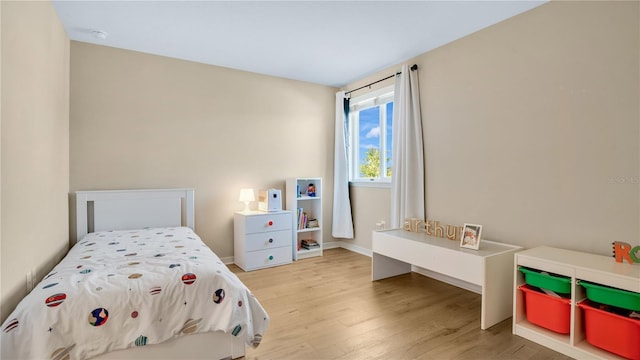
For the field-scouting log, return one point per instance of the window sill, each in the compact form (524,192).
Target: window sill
(372,184)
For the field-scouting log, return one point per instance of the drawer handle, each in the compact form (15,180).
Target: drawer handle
(270,257)
(270,241)
(270,223)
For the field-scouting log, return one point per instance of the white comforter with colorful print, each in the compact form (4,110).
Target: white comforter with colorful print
(121,289)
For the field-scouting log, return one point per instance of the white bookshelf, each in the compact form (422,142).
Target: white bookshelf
(297,197)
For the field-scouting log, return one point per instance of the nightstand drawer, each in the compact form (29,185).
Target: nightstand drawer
(262,239)
(268,222)
(268,240)
(267,258)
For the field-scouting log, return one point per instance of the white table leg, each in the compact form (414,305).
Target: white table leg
(383,267)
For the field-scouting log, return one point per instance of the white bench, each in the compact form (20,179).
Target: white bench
(488,270)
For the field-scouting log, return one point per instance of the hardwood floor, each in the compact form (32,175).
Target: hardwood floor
(328,308)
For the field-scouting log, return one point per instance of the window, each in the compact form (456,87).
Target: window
(370,124)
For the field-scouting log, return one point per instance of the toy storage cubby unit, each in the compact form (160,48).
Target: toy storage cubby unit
(576,267)
(304,200)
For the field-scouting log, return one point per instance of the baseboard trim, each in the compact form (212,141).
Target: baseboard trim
(354,248)
(330,245)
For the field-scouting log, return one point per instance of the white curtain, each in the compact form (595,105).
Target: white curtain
(342,222)
(407,180)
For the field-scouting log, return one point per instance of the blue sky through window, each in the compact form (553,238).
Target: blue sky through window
(369,131)
(372,129)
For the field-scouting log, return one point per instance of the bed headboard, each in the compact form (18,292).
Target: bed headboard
(133,209)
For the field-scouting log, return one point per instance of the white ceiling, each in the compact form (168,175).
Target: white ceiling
(325,42)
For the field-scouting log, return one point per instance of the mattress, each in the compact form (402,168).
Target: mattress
(121,289)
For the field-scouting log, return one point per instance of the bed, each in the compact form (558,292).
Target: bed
(136,285)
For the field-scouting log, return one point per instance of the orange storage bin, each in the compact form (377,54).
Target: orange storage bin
(615,333)
(547,311)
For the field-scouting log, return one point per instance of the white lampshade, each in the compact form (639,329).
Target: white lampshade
(247,196)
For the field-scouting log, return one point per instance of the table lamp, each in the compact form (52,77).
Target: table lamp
(247,196)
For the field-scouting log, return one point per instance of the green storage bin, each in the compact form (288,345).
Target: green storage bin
(555,283)
(611,296)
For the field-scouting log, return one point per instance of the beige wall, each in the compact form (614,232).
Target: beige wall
(35,145)
(369,206)
(531,129)
(145,121)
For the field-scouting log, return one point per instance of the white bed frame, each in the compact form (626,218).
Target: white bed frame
(136,209)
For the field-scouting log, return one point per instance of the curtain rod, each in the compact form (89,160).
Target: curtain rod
(413,67)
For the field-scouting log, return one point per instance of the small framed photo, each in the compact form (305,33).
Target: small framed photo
(471,236)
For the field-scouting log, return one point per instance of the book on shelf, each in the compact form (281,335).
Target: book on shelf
(302,219)
(309,244)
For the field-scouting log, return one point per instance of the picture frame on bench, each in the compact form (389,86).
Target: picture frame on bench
(470,238)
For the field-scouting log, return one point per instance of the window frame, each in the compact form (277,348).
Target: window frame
(379,98)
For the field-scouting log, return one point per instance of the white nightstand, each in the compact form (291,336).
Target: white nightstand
(262,239)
